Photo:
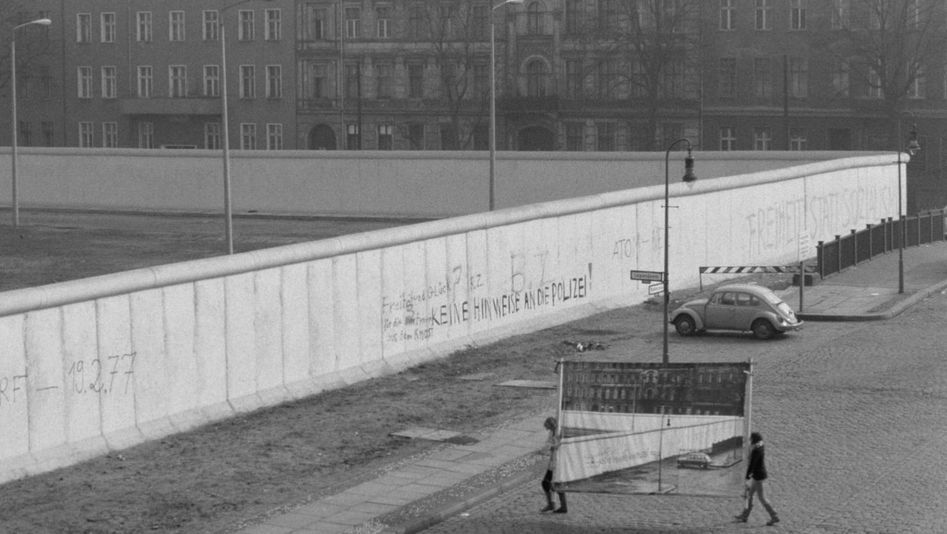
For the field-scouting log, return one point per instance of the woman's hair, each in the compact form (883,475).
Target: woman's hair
(550,423)
(755,437)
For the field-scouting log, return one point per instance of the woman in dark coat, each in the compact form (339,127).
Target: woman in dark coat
(755,475)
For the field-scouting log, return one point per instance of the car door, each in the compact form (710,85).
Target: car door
(746,309)
(719,310)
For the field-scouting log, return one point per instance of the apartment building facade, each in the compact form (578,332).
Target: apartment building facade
(407,74)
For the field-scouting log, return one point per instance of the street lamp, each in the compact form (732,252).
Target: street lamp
(13,191)
(493,101)
(689,177)
(912,149)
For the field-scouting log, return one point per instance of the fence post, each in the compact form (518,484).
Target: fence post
(891,240)
(871,249)
(838,252)
(819,259)
(854,248)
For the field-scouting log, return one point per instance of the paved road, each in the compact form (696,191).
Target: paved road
(855,420)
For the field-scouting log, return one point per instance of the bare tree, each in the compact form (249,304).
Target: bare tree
(890,46)
(642,52)
(454,34)
(31,47)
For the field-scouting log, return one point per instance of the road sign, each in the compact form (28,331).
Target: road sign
(647,276)
(656,289)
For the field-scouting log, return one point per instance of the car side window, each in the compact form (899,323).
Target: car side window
(727,299)
(746,299)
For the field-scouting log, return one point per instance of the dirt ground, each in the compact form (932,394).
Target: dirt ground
(229,474)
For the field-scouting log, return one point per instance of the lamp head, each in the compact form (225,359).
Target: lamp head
(689,175)
(913,146)
(43,22)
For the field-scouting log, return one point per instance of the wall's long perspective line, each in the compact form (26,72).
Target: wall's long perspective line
(111,361)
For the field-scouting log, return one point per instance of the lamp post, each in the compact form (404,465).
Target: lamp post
(689,177)
(493,101)
(225,136)
(912,149)
(13,126)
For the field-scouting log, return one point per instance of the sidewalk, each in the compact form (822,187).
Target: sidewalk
(508,457)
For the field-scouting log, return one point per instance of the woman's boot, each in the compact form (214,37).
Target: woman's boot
(562,504)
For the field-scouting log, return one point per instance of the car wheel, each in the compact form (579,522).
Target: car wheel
(685,325)
(763,329)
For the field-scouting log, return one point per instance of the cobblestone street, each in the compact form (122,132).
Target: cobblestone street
(854,416)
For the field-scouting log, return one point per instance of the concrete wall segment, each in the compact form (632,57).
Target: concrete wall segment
(206,339)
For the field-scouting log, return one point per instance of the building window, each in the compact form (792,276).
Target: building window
(572,16)
(416,23)
(480,22)
(176,26)
(211,80)
(274,25)
(177,81)
(145,81)
(797,14)
(763,77)
(874,88)
(726,15)
(274,81)
(143,27)
(212,136)
(728,77)
(110,134)
(109,83)
(383,22)
(211,25)
(913,14)
(481,79)
(86,139)
(575,136)
(84,75)
(385,137)
(107,21)
(246,28)
(916,87)
(764,15)
(247,81)
(83,27)
(146,135)
(415,80)
(840,78)
(605,136)
(383,80)
(762,139)
(49,133)
(607,15)
(353,22)
(728,139)
(353,139)
(481,136)
(416,136)
(314,86)
(607,78)
(534,18)
(448,137)
(841,10)
(799,77)
(314,23)
(536,78)
(274,136)
(353,81)
(445,16)
(24,133)
(797,139)
(673,74)
(247,136)
(573,78)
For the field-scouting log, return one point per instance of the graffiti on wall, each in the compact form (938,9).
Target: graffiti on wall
(460,298)
(110,375)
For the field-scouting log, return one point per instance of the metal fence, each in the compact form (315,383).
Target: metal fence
(861,245)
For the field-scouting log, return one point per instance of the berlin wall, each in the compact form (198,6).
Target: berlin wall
(108,362)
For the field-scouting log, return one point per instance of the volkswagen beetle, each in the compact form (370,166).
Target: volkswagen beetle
(741,307)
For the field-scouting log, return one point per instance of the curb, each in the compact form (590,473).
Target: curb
(895,310)
(451,510)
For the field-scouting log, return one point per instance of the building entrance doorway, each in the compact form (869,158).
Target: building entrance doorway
(322,137)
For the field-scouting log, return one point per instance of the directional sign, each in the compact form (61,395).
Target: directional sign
(656,289)
(648,276)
